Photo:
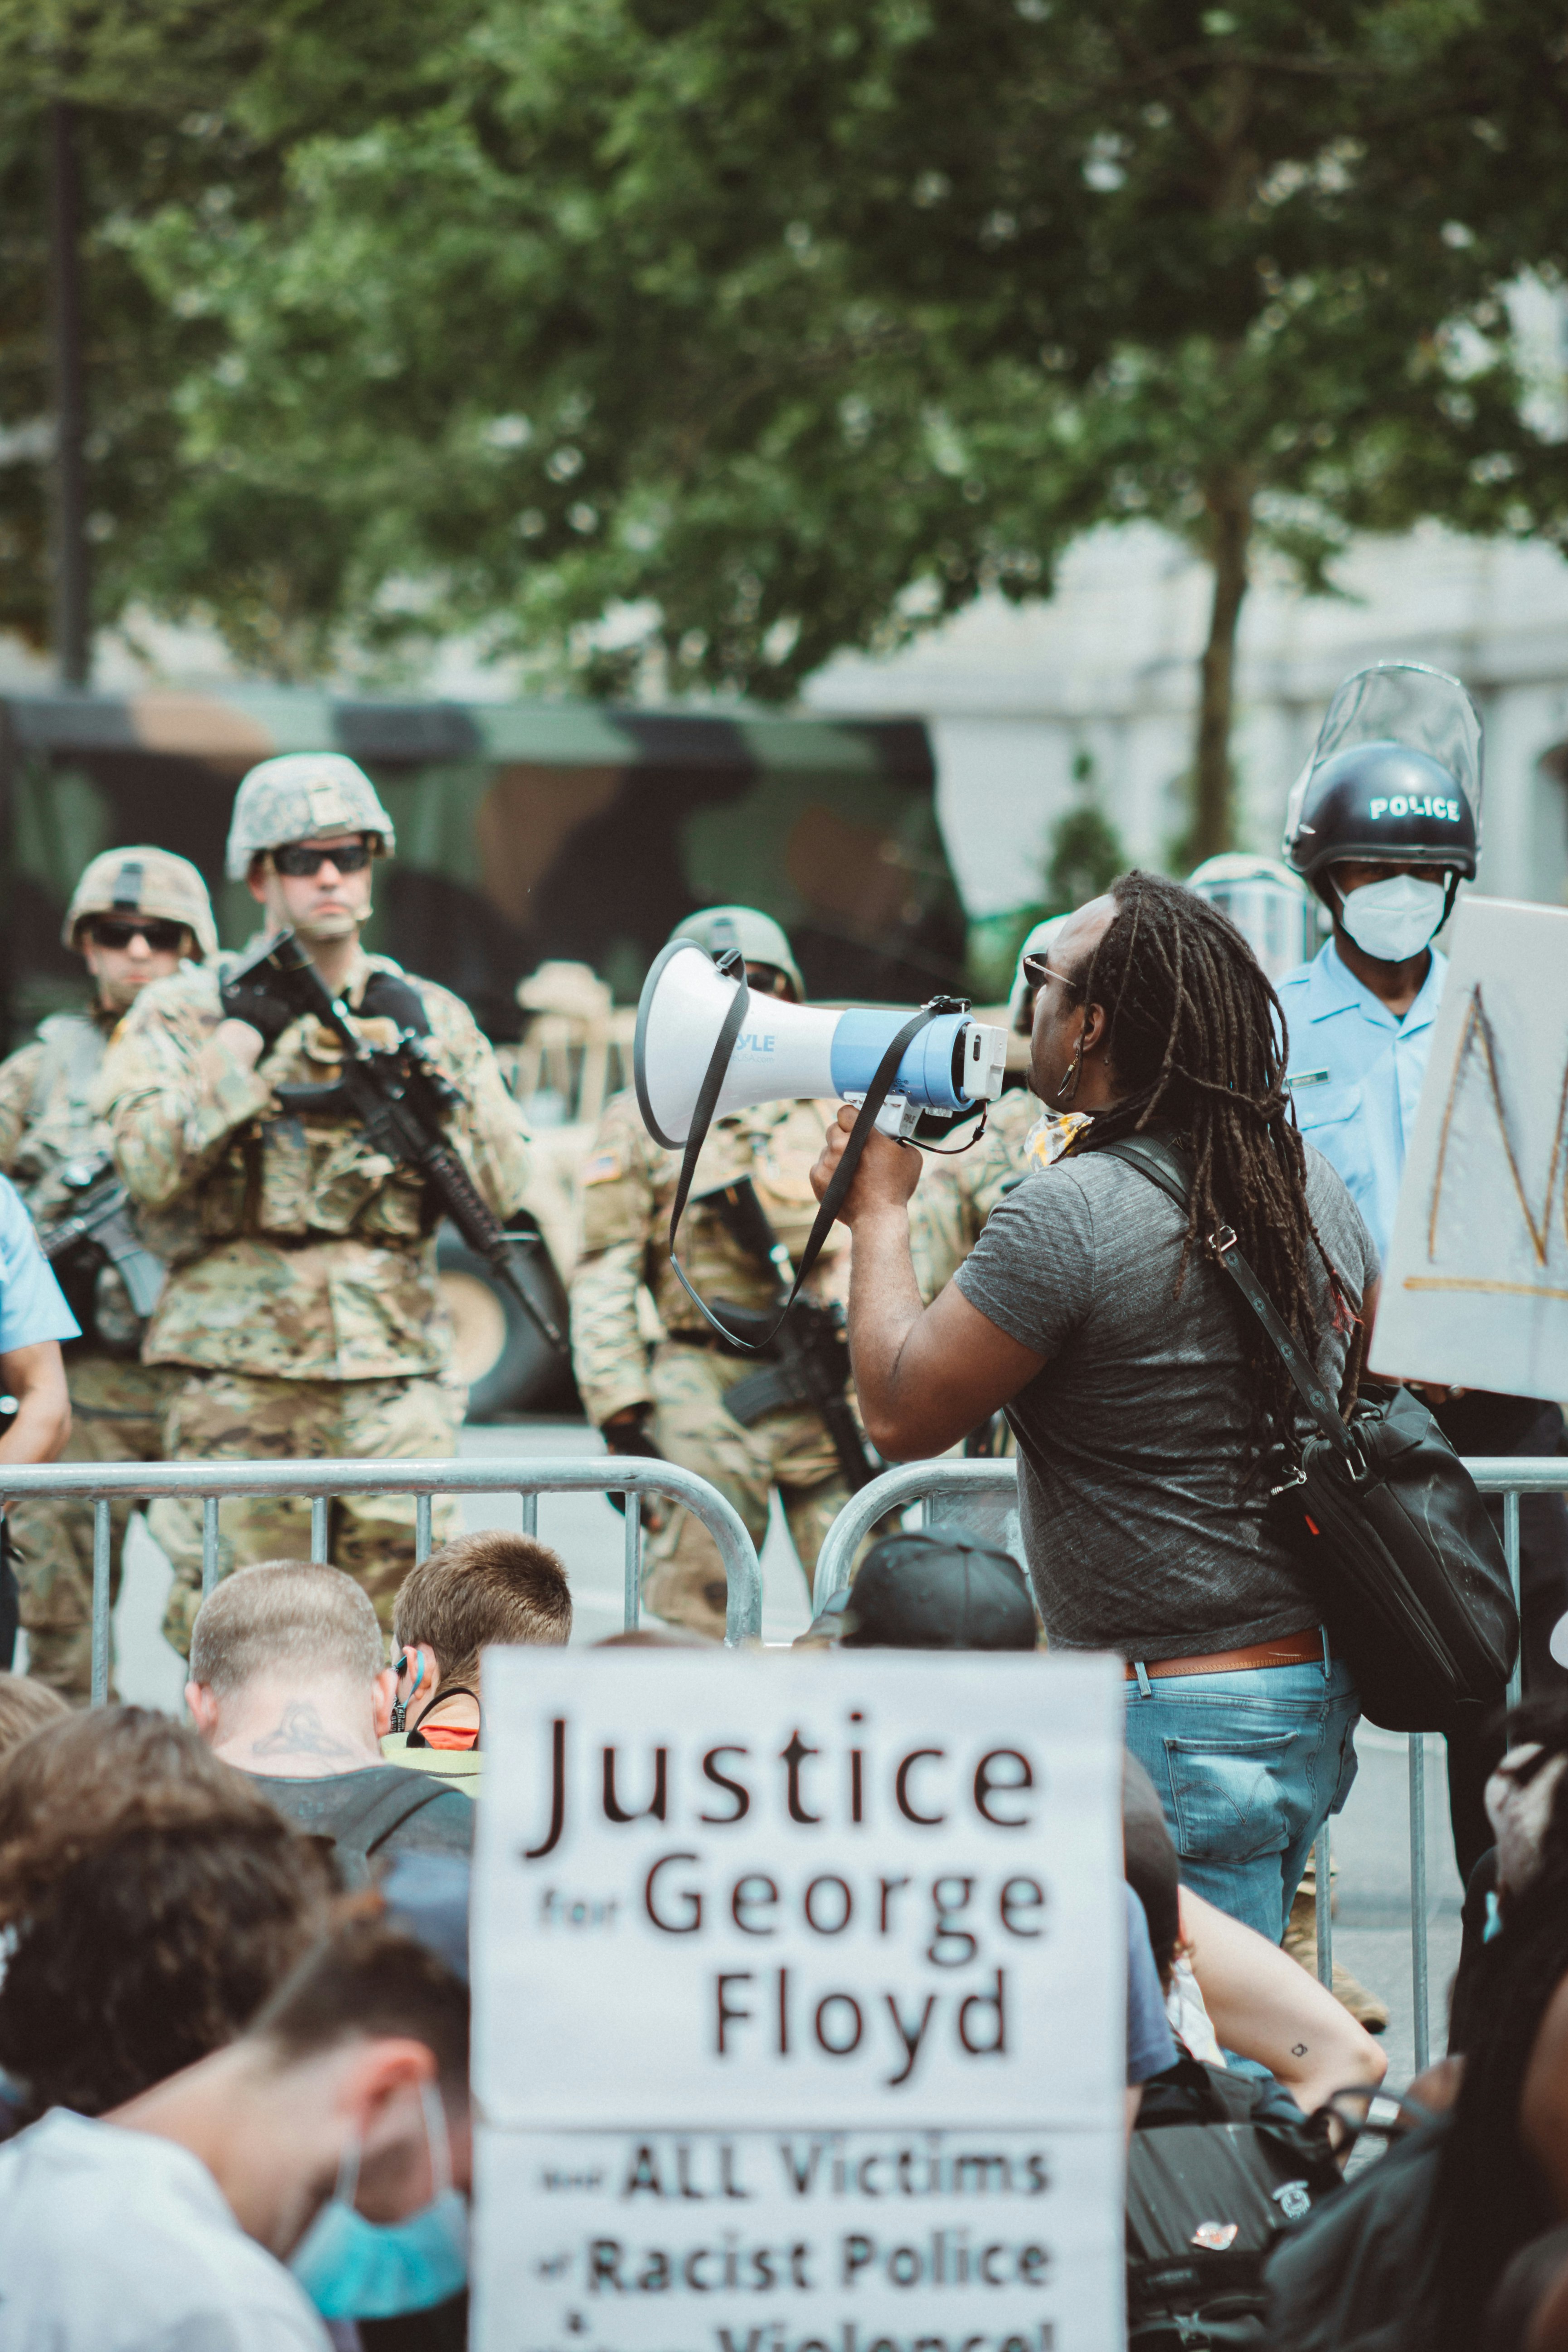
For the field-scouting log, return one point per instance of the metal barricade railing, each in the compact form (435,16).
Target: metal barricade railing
(942,1488)
(528,1476)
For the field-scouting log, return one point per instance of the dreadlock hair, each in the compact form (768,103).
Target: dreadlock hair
(1196,1039)
(1491,2197)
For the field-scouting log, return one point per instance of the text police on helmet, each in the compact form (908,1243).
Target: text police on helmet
(1395,777)
(303,796)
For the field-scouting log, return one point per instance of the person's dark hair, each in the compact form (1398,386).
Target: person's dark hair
(1490,2195)
(370,1979)
(492,1587)
(26,1705)
(1196,1038)
(153,1948)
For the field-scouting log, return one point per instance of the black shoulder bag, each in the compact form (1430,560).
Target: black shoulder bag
(1385,1521)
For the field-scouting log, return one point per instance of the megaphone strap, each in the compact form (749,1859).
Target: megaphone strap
(843,1175)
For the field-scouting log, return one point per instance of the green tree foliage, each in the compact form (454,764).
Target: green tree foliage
(721,337)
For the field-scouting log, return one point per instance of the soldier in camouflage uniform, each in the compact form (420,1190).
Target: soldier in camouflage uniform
(669,1399)
(302,1307)
(136,913)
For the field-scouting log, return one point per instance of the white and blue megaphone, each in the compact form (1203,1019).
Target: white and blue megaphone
(787,1052)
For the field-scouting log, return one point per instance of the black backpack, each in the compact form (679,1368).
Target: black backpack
(1220,2165)
(357,1811)
(1359,2277)
(1386,1524)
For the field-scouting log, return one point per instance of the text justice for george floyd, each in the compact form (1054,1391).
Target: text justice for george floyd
(954,1914)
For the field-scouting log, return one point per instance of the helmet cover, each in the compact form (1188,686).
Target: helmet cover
(143,881)
(303,796)
(756,936)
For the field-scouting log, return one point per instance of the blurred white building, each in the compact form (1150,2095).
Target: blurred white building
(1016,696)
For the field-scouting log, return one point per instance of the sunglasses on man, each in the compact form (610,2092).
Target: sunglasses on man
(1036,971)
(303,857)
(114,931)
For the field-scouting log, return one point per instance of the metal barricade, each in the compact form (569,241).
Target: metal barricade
(528,1476)
(943,1488)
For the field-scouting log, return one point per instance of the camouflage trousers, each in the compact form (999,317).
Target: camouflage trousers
(117,1415)
(252,1417)
(683,1580)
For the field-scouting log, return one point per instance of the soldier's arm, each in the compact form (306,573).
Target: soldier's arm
(488,1128)
(18,1076)
(608,1353)
(173,1091)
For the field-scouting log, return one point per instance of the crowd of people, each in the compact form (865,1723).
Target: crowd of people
(233,1949)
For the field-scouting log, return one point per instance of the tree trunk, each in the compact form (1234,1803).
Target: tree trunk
(1228,498)
(73,626)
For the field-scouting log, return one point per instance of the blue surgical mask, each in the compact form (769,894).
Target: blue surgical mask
(355,2269)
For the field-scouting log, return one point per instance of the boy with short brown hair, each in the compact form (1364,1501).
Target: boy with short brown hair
(477,1592)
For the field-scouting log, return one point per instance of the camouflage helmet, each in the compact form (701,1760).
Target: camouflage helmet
(143,881)
(757,937)
(302,796)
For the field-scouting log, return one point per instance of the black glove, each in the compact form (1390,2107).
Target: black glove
(251,998)
(389,997)
(626,1432)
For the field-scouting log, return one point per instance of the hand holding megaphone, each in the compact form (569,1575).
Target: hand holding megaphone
(784,1052)
(886,1177)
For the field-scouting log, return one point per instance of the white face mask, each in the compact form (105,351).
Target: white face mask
(1394,920)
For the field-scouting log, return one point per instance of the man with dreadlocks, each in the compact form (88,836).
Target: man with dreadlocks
(1143,1404)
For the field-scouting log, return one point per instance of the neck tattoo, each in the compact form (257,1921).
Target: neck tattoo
(299,1731)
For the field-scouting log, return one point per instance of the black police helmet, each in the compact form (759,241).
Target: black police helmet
(1387,803)
(938,1593)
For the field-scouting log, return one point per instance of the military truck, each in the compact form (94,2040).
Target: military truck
(528,833)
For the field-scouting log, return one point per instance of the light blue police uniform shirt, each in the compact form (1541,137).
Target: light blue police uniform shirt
(32,1304)
(1355,1072)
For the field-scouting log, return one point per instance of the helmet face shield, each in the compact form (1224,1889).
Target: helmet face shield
(1395,775)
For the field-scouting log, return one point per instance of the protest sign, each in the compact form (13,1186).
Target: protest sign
(1476,1289)
(800,2010)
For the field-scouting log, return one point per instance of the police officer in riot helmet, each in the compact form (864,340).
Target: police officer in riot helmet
(1384,822)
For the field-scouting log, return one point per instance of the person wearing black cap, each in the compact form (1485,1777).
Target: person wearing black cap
(929,1592)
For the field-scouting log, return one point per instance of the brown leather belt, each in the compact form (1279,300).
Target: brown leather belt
(1303,1649)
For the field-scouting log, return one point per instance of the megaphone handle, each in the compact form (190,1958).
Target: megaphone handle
(866,1118)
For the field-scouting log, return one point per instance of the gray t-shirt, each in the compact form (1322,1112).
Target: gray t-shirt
(1141,1530)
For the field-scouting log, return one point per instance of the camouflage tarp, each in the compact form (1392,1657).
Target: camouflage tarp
(525,831)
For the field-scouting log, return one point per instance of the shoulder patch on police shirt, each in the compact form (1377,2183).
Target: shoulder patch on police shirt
(603,1168)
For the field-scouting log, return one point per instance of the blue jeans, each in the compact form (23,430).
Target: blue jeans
(1248,1767)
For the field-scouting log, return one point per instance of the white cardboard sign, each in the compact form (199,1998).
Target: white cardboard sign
(800,2003)
(1476,1289)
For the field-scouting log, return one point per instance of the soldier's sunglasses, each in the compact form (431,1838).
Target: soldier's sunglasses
(113,931)
(301,857)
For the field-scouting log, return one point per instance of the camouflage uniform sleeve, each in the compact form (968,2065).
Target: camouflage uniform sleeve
(488,1128)
(18,1075)
(172,1098)
(608,1352)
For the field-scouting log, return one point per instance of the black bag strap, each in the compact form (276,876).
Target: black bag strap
(1162,1164)
(876,1093)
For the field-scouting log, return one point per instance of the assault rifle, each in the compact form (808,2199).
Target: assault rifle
(810,1355)
(100,1225)
(397,1093)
